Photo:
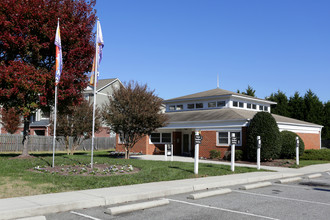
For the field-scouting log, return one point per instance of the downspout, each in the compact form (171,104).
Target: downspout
(321,138)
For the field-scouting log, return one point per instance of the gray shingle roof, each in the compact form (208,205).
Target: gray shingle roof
(225,114)
(213,93)
(103,82)
(41,123)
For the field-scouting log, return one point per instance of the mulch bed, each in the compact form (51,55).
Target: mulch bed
(86,170)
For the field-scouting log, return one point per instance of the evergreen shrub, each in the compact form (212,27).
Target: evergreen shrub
(264,125)
(321,154)
(288,140)
(215,154)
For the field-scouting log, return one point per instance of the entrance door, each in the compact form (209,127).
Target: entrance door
(186,144)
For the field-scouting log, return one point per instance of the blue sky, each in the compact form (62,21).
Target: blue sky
(178,47)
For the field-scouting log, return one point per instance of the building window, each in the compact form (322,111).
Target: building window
(211,104)
(161,138)
(179,107)
(166,137)
(171,107)
(266,108)
(241,104)
(39,132)
(191,106)
(261,107)
(235,104)
(254,106)
(121,138)
(225,136)
(199,105)
(221,103)
(155,137)
(248,105)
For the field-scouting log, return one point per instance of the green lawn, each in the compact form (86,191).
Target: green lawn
(17,180)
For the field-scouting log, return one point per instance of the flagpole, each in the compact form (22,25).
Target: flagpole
(94,101)
(54,138)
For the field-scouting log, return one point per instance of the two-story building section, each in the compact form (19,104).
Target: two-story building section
(40,121)
(216,114)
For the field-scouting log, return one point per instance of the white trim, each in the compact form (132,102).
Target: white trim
(160,138)
(228,133)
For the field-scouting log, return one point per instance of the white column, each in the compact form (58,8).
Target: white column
(297,150)
(196,154)
(171,152)
(258,152)
(165,152)
(232,154)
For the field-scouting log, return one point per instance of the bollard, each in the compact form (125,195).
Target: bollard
(297,150)
(232,152)
(171,152)
(258,152)
(165,152)
(196,154)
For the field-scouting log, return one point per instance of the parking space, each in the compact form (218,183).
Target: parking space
(306,199)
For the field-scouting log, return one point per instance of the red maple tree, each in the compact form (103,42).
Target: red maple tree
(10,120)
(27,53)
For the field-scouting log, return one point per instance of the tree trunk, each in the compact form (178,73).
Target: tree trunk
(67,142)
(26,133)
(126,153)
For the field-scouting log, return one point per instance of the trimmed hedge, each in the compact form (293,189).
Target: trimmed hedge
(215,154)
(288,140)
(264,125)
(322,154)
(238,155)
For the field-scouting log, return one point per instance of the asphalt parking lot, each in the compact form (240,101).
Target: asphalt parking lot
(304,199)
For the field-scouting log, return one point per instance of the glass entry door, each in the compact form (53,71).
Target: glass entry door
(186,144)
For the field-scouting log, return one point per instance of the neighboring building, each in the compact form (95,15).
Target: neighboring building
(40,121)
(216,114)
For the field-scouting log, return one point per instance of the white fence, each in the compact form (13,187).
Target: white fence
(13,143)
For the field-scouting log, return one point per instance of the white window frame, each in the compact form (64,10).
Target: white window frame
(228,132)
(160,138)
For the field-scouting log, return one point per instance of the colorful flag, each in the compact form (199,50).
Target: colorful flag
(98,54)
(59,62)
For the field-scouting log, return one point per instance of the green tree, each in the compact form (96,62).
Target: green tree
(282,106)
(264,125)
(288,142)
(249,91)
(133,111)
(326,123)
(297,106)
(313,111)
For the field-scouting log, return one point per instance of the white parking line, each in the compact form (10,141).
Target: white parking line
(284,198)
(86,216)
(293,186)
(226,210)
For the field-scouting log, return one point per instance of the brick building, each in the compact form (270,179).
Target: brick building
(216,114)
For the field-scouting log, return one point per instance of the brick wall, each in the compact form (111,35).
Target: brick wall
(311,141)
(139,147)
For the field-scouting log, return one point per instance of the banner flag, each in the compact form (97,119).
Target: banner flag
(59,62)
(98,54)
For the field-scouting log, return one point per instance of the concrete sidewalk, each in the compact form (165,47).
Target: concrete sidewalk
(13,208)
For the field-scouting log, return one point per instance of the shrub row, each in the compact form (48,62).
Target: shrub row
(322,154)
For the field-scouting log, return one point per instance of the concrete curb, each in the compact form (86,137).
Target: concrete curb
(33,218)
(256,185)
(289,180)
(316,175)
(209,193)
(135,207)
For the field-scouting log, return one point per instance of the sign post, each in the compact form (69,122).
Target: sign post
(233,142)
(258,152)
(297,150)
(171,152)
(198,140)
(165,152)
